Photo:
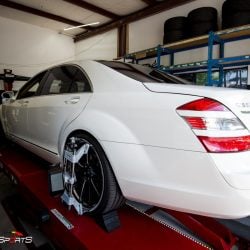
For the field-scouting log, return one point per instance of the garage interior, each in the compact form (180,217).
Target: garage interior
(204,41)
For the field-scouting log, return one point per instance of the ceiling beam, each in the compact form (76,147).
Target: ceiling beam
(149,2)
(146,12)
(93,8)
(41,13)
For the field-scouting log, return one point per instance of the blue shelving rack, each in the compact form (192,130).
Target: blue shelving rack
(219,38)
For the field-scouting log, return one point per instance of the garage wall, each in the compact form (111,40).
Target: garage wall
(27,49)
(103,46)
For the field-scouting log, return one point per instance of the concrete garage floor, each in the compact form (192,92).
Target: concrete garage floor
(6,189)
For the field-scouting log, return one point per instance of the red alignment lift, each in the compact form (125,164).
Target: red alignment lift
(140,228)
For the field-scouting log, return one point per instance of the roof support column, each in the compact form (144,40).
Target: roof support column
(122,40)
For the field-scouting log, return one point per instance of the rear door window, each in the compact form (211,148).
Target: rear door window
(81,83)
(66,79)
(59,80)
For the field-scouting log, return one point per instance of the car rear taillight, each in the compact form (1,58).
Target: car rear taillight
(226,144)
(196,122)
(204,104)
(217,128)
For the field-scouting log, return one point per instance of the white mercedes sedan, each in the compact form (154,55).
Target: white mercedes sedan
(147,136)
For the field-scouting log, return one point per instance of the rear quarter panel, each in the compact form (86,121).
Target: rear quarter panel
(140,118)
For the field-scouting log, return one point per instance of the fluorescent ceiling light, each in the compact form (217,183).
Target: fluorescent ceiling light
(80,26)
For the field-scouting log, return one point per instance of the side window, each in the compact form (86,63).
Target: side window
(80,83)
(60,80)
(31,87)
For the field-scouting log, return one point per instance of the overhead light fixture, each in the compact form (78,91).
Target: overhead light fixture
(80,26)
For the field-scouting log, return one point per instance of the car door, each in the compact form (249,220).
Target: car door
(15,111)
(65,94)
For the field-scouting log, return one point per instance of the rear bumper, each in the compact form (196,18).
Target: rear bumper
(235,168)
(182,180)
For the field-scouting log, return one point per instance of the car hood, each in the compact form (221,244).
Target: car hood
(237,100)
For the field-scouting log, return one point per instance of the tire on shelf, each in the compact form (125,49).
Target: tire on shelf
(203,14)
(231,6)
(236,19)
(174,36)
(96,186)
(202,28)
(175,23)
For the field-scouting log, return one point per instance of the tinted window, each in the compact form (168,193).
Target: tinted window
(59,80)
(80,83)
(66,79)
(143,73)
(31,88)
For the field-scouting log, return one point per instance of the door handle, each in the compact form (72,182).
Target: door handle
(73,100)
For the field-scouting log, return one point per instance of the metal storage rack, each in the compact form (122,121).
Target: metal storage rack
(213,38)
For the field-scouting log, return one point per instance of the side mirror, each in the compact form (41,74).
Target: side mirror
(7,95)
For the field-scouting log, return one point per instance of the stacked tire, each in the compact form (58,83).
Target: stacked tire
(175,29)
(202,20)
(235,13)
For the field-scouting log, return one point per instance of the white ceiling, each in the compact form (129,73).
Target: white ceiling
(69,11)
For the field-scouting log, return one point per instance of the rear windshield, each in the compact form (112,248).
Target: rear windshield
(143,73)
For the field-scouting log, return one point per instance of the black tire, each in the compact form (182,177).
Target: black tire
(226,10)
(236,19)
(175,23)
(200,29)
(174,36)
(104,195)
(203,14)
(231,6)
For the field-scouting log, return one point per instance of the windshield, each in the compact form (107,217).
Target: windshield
(143,73)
